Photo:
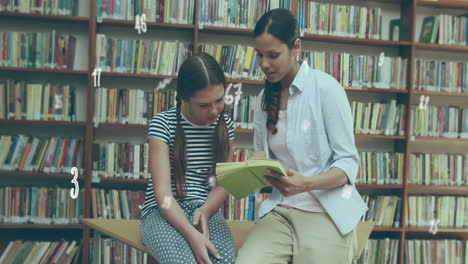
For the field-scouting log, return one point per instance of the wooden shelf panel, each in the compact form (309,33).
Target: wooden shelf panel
(120,181)
(40,226)
(386,229)
(440,93)
(77,19)
(137,75)
(379,186)
(121,22)
(40,175)
(439,47)
(226,30)
(440,230)
(41,122)
(379,136)
(357,41)
(436,189)
(118,125)
(44,70)
(380,90)
(442,139)
(444,4)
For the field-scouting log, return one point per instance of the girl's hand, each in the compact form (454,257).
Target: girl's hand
(200,221)
(201,247)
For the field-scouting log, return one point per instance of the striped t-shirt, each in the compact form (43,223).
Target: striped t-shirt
(199,144)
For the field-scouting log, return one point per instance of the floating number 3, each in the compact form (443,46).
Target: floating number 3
(74,191)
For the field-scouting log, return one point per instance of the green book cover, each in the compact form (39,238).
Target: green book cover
(243,178)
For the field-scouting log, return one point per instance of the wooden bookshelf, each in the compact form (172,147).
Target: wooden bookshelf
(40,17)
(444,4)
(406,49)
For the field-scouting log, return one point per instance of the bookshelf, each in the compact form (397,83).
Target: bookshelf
(87,20)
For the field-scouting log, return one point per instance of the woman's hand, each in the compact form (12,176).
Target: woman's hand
(201,246)
(288,185)
(200,221)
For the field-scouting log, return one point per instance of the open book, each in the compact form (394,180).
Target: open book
(243,178)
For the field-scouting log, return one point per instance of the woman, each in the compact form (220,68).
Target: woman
(303,119)
(181,222)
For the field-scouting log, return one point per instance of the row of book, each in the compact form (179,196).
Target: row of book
(443,211)
(237,61)
(140,56)
(439,121)
(41,154)
(43,7)
(104,250)
(360,70)
(120,160)
(381,168)
(386,118)
(38,205)
(439,169)
(37,50)
(245,209)
(41,252)
(242,111)
(175,11)
(377,251)
(440,76)
(453,251)
(340,20)
(445,29)
(236,13)
(383,210)
(130,106)
(23,100)
(116,204)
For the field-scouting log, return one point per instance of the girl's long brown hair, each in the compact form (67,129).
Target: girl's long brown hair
(197,73)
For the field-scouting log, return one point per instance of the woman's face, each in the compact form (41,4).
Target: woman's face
(274,57)
(205,105)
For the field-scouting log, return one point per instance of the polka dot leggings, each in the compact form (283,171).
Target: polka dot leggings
(168,246)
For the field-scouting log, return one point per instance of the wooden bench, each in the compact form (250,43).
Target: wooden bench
(128,231)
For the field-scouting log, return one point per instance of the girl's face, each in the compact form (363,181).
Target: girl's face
(205,105)
(274,57)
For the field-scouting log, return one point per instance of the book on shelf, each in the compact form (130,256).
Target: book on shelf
(440,76)
(108,250)
(340,20)
(378,251)
(140,56)
(354,70)
(40,205)
(381,168)
(419,251)
(448,211)
(50,155)
(383,210)
(49,50)
(21,100)
(160,11)
(120,160)
(396,30)
(130,106)
(439,121)
(386,118)
(445,29)
(236,14)
(43,7)
(63,251)
(116,204)
(243,178)
(448,169)
(429,29)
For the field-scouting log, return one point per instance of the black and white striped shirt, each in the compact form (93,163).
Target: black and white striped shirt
(199,140)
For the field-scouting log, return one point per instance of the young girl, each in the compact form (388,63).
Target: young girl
(303,119)
(181,222)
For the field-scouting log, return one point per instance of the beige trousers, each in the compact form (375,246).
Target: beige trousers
(288,235)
